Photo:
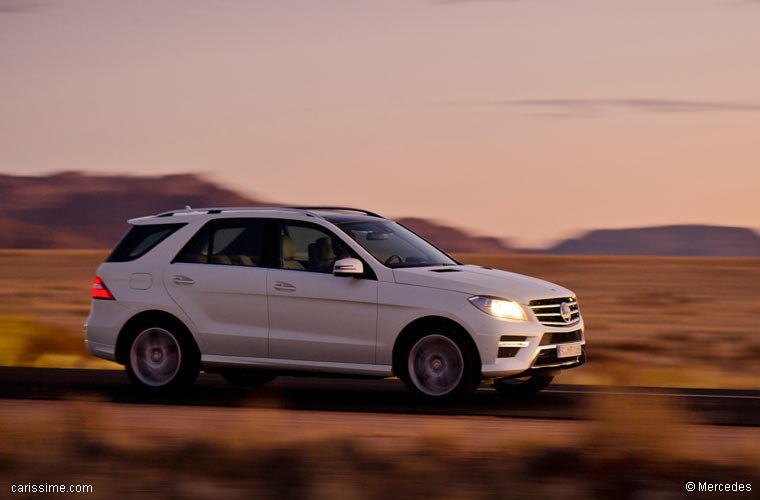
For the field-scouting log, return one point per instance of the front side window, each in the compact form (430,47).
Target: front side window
(232,242)
(307,247)
(395,246)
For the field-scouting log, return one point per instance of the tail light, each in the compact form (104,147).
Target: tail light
(99,290)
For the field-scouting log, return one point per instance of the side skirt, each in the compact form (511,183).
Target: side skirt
(212,362)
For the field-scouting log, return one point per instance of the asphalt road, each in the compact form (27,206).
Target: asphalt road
(717,407)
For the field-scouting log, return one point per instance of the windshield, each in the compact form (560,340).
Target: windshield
(394,245)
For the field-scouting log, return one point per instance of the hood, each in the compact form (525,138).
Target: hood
(476,280)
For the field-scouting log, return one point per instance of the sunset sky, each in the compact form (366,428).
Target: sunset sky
(526,119)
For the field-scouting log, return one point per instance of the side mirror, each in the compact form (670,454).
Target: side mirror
(348,267)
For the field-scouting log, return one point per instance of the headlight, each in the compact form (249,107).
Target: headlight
(506,309)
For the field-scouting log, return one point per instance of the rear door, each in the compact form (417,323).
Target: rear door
(314,315)
(220,281)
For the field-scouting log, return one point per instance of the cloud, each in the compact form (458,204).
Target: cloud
(595,107)
(455,2)
(21,6)
(480,1)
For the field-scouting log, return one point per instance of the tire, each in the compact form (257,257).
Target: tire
(162,357)
(438,364)
(522,386)
(248,378)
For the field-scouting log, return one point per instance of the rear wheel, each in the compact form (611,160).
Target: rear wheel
(522,385)
(248,378)
(439,364)
(160,357)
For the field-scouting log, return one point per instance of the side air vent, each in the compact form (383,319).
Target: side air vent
(510,345)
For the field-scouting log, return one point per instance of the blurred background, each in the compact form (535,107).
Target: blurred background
(610,147)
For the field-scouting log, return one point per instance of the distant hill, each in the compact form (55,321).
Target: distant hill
(452,239)
(76,210)
(683,240)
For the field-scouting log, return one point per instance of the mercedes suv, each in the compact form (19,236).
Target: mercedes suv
(253,292)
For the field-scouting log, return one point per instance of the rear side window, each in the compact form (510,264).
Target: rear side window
(140,240)
(231,242)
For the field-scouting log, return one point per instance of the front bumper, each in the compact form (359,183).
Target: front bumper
(553,368)
(541,360)
(538,354)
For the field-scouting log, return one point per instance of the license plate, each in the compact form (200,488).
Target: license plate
(569,350)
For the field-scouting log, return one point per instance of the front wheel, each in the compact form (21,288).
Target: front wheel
(440,365)
(160,358)
(522,385)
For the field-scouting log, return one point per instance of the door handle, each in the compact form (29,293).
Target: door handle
(284,287)
(183,280)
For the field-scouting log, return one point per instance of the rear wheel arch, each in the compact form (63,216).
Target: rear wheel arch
(408,336)
(146,319)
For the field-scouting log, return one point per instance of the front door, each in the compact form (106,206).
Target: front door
(314,315)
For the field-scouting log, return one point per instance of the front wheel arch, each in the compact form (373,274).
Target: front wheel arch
(407,335)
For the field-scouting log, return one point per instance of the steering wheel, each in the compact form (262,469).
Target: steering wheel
(394,256)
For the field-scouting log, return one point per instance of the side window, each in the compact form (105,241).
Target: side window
(231,242)
(140,240)
(307,247)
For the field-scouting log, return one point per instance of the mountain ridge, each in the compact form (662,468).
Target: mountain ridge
(675,240)
(80,210)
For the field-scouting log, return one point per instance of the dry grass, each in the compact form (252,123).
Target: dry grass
(44,301)
(25,342)
(649,321)
(135,451)
(51,286)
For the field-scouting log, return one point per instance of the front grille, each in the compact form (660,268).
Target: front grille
(548,311)
(552,338)
(548,357)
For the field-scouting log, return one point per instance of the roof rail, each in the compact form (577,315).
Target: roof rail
(345,209)
(218,210)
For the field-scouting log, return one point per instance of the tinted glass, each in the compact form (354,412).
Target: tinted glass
(305,247)
(394,245)
(232,242)
(140,240)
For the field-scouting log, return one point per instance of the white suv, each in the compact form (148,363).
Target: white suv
(254,292)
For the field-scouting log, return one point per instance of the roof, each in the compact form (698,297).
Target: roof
(332,214)
(343,218)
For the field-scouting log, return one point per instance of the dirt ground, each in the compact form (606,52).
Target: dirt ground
(154,451)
